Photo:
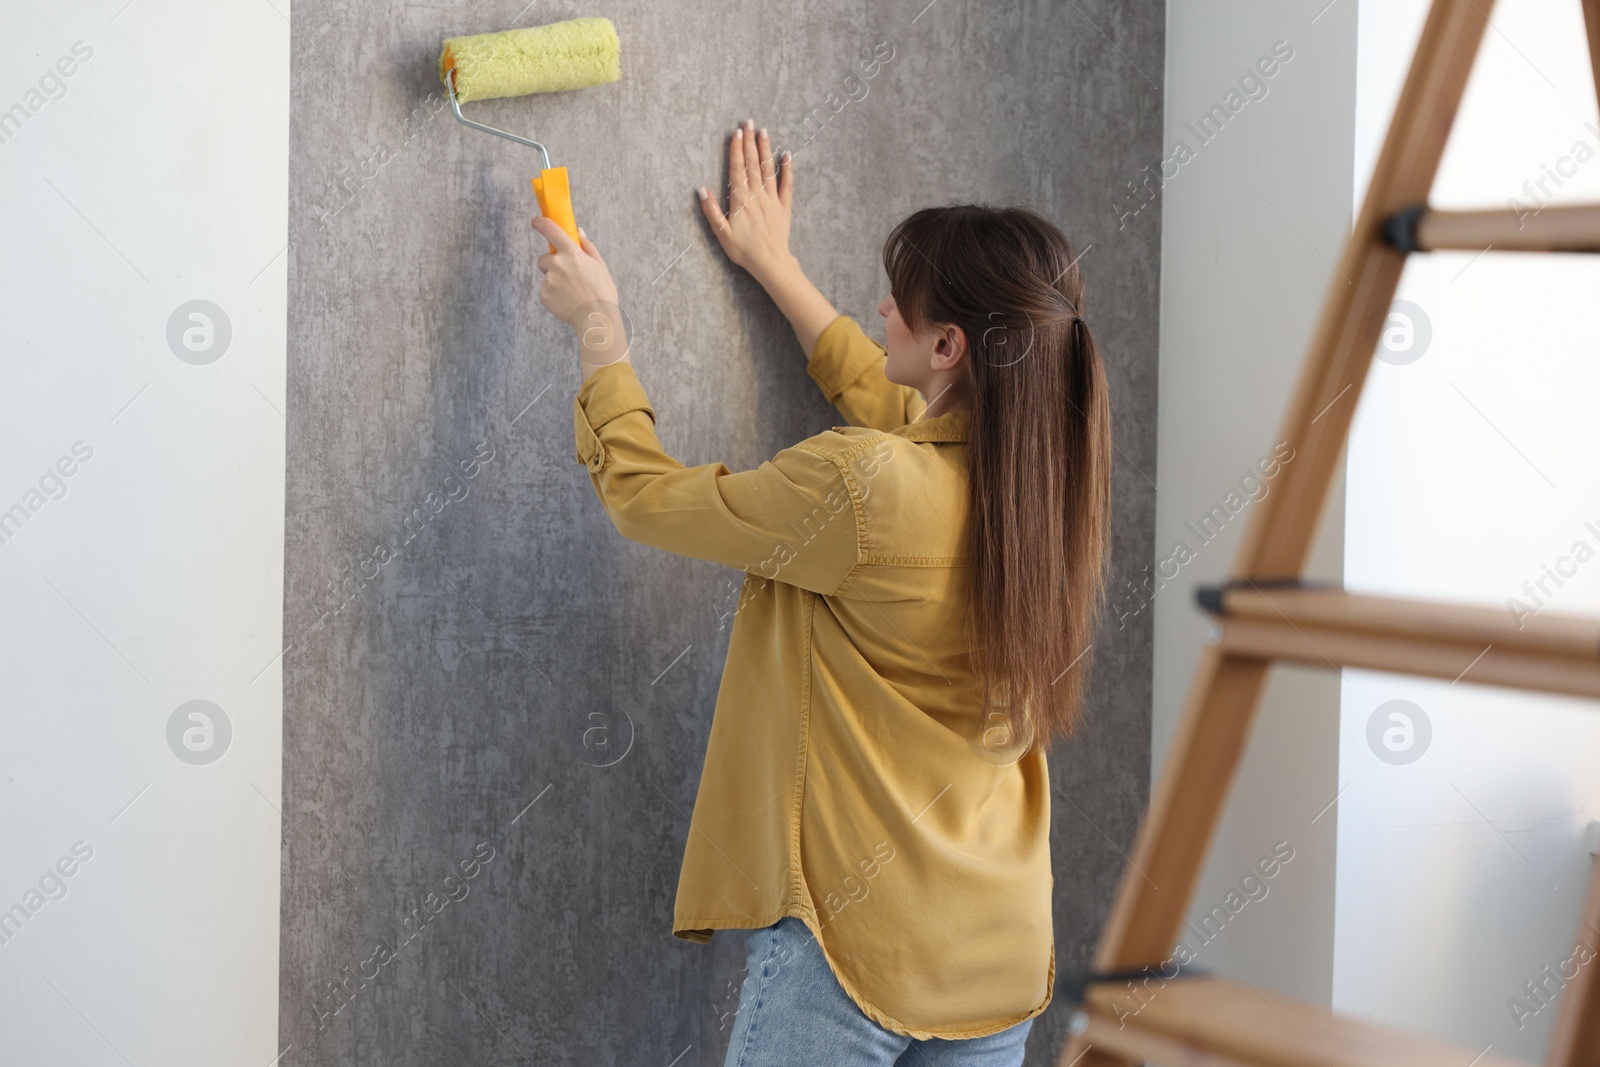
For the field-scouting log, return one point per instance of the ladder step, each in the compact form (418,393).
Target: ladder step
(1571,228)
(1483,645)
(1205,1021)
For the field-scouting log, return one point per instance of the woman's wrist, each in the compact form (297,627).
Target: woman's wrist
(776,270)
(601,330)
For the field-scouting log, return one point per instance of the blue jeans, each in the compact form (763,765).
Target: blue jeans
(793,1013)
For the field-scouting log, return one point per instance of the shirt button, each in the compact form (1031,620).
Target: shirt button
(595,461)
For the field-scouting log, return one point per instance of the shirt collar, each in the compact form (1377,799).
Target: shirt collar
(951,426)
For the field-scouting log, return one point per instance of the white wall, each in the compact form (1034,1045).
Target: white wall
(151,576)
(1250,227)
(1470,471)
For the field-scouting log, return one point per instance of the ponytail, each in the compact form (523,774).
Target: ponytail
(1038,449)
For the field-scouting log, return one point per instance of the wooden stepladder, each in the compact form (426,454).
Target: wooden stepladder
(1265,614)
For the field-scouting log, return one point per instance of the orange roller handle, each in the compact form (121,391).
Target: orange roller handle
(555,200)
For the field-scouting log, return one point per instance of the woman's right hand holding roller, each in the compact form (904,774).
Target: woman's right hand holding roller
(755,231)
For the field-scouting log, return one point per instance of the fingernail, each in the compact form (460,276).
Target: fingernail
(738,133)
(786,156)
(763,133)
(581,232)
(702,192)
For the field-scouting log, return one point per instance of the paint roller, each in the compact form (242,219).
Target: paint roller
(574,54)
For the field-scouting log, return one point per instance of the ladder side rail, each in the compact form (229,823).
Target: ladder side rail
(1176,832)
(1575,1038)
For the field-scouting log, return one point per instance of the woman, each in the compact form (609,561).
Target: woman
(913,628)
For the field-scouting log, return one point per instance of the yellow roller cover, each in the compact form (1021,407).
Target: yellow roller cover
(573,54)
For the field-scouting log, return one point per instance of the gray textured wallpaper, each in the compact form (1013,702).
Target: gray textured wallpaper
(496,708)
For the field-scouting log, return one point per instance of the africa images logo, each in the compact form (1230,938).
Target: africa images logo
(199,332)
(199,732)
(1399,732)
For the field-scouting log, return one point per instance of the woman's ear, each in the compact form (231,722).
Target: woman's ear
(950,349)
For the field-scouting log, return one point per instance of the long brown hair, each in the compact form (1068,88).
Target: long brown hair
(1038,448)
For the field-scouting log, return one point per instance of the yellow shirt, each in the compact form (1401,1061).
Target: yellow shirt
(847,779)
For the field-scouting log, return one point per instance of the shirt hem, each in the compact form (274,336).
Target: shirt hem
(685,926)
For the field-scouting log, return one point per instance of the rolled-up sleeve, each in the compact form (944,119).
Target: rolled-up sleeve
(794,519)
(849,368)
